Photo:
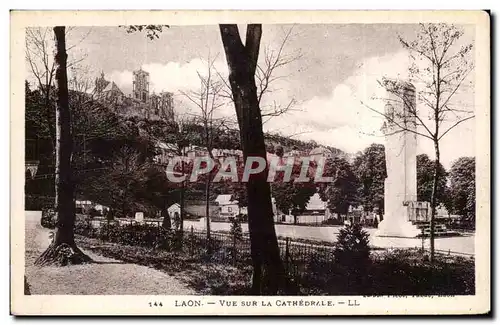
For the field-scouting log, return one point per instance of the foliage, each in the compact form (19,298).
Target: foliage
(235,230)
(48,219)
(333,222)
(370,169)
(395,272)
(409,272)
(441,63)
(177,221)
(292,195)
(151,236)
(289,143)
(94,213)
(36,202)
(152,31)
(463,187)
(352,248)
(343,191)
(425,178)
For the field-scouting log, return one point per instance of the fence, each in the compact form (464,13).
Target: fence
(224,248)
(310,267)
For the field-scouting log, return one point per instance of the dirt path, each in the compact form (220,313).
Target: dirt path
(105,277)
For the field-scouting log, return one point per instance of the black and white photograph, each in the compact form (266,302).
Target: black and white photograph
(250,166)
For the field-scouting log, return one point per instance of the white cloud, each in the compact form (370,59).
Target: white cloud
(339,119)
(123,79)
(343,121)
(173,76)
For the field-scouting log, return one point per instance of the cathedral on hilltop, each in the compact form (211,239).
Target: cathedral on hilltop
(140,103)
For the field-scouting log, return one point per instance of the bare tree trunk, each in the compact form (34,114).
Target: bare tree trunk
(64,238)
(181,217)
(166,223)
(181,199)
(435,182)
(268,273)
(207,212)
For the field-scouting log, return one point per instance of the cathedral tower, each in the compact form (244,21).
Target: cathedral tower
(140,86)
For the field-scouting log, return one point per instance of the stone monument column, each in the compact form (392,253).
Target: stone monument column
(400,186)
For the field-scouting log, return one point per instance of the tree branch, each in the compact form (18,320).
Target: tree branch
(454,125)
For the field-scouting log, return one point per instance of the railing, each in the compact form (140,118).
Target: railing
(299,258)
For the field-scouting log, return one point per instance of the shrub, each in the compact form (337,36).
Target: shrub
(38,202)
(235,230)
(352,256)
(407,271)
(332,221)
(177,221)
(352,246)
(94,213)
(84,228)
(48,218)
(108,214)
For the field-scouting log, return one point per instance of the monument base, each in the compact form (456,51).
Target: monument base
(390,228)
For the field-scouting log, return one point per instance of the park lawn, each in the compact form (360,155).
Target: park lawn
(404,272)
(198,275)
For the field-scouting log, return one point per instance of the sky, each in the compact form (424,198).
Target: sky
(333,80)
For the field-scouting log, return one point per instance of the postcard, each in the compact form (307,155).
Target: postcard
(250,162)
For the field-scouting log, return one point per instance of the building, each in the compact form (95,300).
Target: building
(316,211)
(227,207)
(140,103)
(174,211)
(162,104)
(140,86)
(108,91)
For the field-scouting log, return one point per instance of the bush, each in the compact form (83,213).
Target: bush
(235,230)
(85,228)
(94,213)
(333,222)
(406,271)
(352,246)
(38,202)
(352,256)
(130,234)
(176,223)
(48,218)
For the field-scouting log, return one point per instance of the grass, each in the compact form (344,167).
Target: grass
(202,277)
(396,272)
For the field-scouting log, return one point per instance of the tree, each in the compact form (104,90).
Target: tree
(208,100)
(463,187)
(352,255)
(425,179)
(441,66)
(266,75)
(268,271)
(152,31)
(342,193)
(370,169)
(42,66)
(63,249)
(177,136)
(292,195)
